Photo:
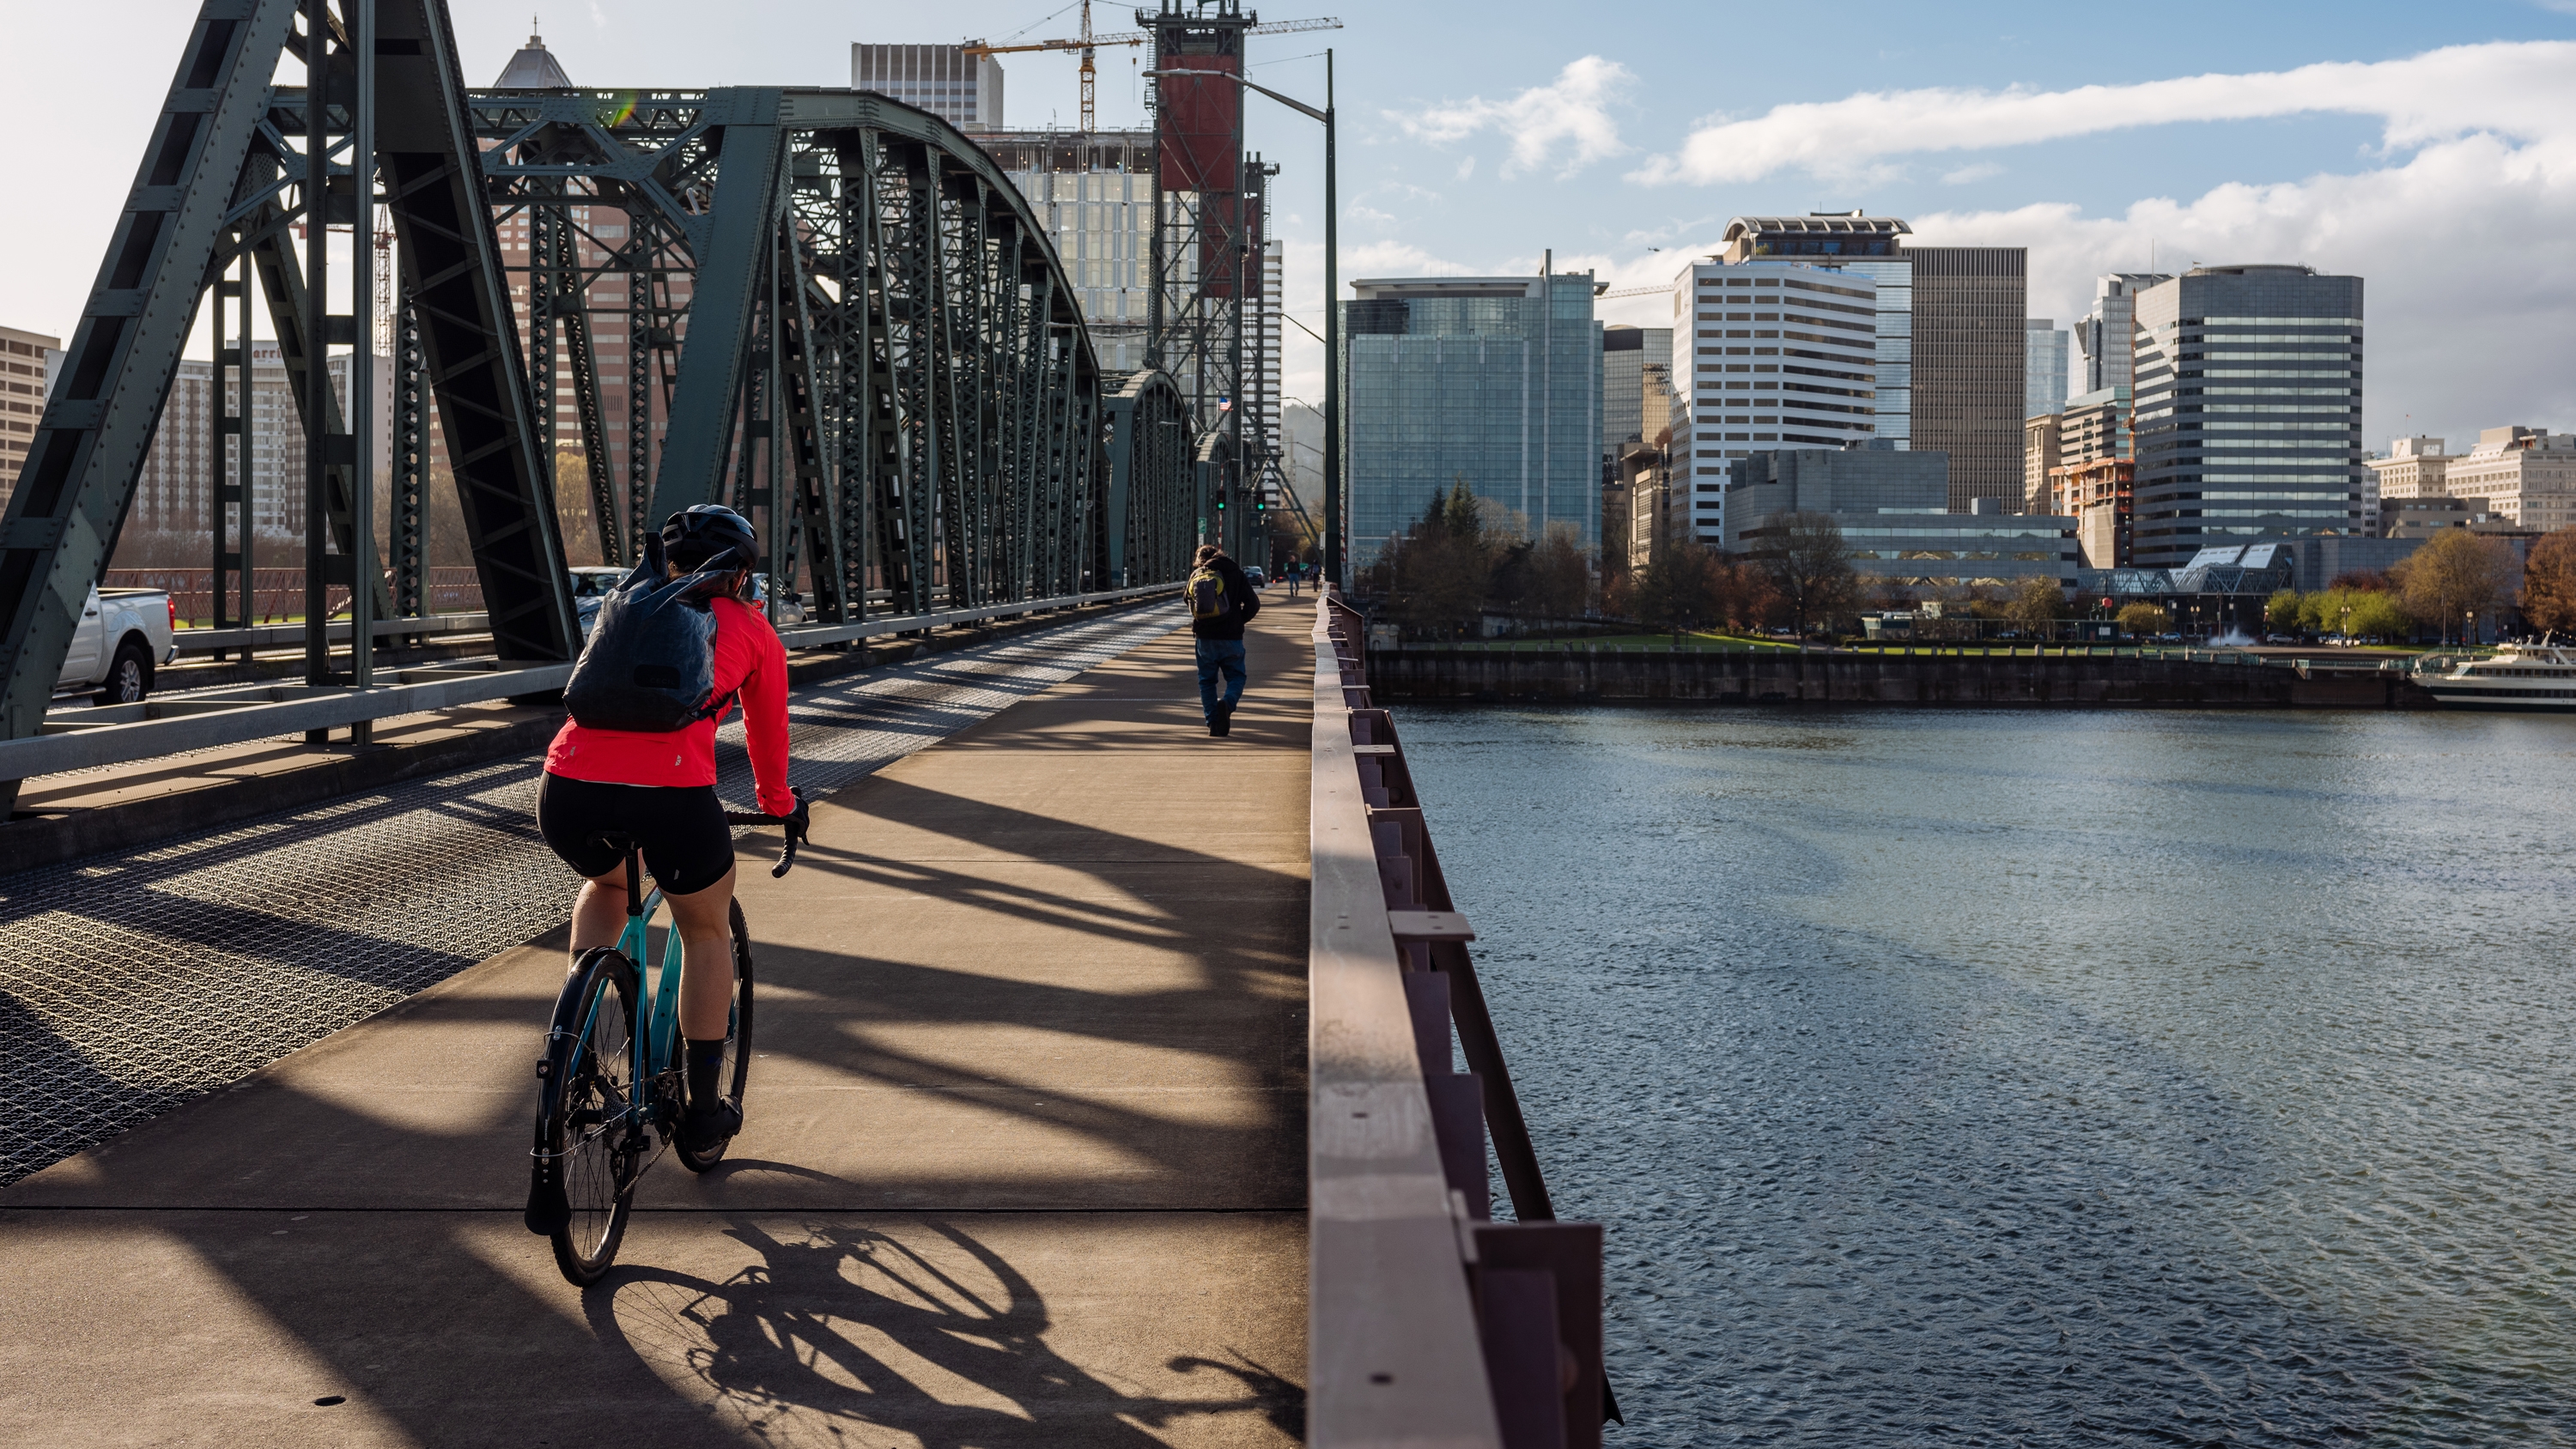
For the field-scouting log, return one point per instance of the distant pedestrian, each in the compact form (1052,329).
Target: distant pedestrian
(1293,572)
(1221,602)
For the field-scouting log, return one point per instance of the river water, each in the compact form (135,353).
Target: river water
(2037,1078)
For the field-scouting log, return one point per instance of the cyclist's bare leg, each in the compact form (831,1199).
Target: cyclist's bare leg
(599,912)
(706,956)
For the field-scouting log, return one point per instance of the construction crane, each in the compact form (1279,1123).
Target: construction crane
(1088,42)
(1664,290)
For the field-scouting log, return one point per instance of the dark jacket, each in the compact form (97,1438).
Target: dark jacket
(1238,592)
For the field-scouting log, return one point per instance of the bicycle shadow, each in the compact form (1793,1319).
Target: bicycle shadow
(917,1327)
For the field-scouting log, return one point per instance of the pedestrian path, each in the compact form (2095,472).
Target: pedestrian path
(1024,1166)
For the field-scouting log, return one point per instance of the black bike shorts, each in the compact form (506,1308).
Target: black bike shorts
(682,829)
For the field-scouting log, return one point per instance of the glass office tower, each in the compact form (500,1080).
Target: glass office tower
(1494,380)
(2248,421)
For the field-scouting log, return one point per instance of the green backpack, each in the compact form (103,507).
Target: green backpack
(1206,595)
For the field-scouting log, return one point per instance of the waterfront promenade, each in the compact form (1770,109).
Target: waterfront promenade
(1025,1160)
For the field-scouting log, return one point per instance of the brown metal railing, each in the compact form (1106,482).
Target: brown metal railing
(1428,1322)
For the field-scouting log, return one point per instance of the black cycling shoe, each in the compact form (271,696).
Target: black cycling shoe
(709,1125)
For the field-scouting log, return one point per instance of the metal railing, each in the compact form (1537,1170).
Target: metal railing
(83,739)
(1428,1323)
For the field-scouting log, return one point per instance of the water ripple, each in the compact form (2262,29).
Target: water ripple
(2044,1079)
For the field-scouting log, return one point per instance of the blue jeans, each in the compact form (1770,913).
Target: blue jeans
(1220,655)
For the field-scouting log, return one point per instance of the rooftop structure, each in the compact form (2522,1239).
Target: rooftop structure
(533,68)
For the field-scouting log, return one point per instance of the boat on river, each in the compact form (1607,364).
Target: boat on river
(2517,676)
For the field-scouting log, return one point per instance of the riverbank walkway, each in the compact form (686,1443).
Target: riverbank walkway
(1025,1162)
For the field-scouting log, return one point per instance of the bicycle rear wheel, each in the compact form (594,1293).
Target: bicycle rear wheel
(735,1074)
(588,1134)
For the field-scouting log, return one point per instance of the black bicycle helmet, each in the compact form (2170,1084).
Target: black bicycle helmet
(710,536)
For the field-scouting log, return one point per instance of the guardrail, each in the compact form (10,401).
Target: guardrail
(119,734)
(278,636)
(1428,1323)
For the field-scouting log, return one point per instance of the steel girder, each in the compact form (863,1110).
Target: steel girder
(934,430)
(212,182)
(882,355)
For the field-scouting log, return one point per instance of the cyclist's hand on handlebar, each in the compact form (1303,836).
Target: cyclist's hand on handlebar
(797,821)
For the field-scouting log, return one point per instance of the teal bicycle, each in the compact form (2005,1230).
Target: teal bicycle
(611,1089)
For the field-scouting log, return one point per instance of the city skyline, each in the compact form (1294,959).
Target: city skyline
(2361,140)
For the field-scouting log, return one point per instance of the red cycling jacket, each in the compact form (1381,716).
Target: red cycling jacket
(748,657)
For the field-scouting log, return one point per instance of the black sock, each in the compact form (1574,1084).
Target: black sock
(706,1058)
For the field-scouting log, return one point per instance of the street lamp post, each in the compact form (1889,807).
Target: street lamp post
(1332,296)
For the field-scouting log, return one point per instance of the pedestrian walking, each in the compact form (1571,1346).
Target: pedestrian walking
(1294,571)
(1221,602)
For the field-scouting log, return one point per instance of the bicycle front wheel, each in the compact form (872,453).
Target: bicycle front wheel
(588,1131)
(735,1074)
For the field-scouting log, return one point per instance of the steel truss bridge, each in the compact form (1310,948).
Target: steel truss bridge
(839,317)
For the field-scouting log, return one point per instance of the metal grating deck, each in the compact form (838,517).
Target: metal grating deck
(132,982)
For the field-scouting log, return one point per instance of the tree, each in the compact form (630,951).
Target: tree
(1804,555)
(2281,612)
(2454,575)
(2376,614)
(2035,603)
(1559,577)
(2142,618)
(2549,582)
(1682,589)
(1435,576)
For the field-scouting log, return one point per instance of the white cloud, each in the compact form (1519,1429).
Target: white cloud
(1572,111)
(1362,212)
(1978,172)
(1466,168)
(2516,89)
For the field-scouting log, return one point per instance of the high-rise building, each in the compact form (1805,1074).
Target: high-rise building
(1865,246)
(173,490)
(1780,353)
(1626,355)
(1968,366)
(1095,196)
(2094,479)
(2044,349)
(2248,419)
(2038,460)
(2105,336)
(1267,338)
(2526,476)
(963,90)
(1493,380)
(27,363)
(1950,365)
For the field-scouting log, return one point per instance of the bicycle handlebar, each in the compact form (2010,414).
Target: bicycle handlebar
(797,824)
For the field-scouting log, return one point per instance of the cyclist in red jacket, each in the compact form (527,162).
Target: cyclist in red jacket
(660,790)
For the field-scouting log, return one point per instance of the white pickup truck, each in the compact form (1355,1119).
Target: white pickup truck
(123,635)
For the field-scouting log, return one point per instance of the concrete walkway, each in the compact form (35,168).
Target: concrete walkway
(1024,1163)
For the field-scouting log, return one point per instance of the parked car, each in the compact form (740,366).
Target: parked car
(591,584)
(122,636)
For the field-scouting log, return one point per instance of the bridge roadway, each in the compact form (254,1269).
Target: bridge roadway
(1024,1165)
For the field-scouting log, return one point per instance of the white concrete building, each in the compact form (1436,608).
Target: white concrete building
(2527,475)
(1767,354)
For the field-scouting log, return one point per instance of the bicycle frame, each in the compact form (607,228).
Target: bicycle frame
(657,1019)
(657,1031)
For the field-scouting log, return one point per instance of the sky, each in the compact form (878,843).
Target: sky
(2429,149)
